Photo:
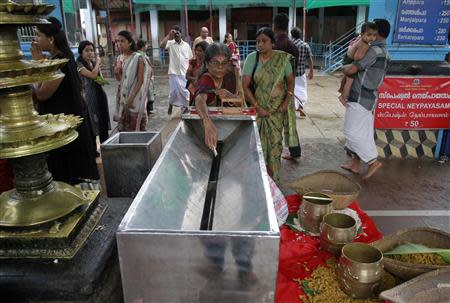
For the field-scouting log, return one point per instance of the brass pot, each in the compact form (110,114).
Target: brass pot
(314,207)
(336,230)
(359,270)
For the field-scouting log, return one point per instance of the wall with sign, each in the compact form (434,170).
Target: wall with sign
(423,22)
(410,40)
(413,103)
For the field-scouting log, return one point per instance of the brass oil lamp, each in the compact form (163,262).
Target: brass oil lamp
(39,218)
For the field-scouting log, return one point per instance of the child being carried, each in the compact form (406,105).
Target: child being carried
(356,51)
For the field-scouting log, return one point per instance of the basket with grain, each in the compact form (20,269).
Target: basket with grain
(430,237)
(339,187)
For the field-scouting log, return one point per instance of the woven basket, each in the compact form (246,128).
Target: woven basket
(430,237)
(339,187)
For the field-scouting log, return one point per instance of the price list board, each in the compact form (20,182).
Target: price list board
(423,22)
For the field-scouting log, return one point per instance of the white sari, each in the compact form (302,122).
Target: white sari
(127,84)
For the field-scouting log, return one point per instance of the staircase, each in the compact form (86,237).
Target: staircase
(337,49)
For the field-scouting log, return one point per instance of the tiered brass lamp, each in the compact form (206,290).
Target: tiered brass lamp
(39,218)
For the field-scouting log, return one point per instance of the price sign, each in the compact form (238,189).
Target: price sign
(413,103)
(423,22)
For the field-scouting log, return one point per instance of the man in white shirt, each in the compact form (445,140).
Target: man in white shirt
(179,55)
(204,36)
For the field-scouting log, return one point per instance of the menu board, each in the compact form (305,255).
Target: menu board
(423,22)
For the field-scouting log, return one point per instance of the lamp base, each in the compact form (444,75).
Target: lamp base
(59,239)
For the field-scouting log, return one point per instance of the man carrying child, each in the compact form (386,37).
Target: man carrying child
(361,102)
(356,51)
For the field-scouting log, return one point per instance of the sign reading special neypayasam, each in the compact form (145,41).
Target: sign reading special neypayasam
(423,22)
(413,103)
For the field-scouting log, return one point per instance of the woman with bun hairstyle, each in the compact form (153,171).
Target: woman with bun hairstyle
(74,162)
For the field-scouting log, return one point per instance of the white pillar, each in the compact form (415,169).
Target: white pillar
(137,18)
(294,20)
(154,29)
(87,22)
(94,28)
(222,23)
(361,16)
(292,16)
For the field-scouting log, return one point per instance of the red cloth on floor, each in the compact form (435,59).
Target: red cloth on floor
(300,254)
(6,176)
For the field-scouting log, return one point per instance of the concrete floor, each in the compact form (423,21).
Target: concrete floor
(404,193)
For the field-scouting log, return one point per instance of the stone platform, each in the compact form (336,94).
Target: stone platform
(91,276)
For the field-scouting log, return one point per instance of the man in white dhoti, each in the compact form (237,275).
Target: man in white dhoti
(359,116)
(300,90)
(179,55)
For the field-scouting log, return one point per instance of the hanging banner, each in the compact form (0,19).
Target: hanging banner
(413,103)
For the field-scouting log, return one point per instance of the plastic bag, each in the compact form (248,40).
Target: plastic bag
(279,203)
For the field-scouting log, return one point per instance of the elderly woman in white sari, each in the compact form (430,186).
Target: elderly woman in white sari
(132,71)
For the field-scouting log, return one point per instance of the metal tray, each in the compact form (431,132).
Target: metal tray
(430,287)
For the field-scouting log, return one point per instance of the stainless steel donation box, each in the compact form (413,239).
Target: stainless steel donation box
(127,160)
(203,228)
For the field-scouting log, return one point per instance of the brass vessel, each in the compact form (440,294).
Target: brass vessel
(336,230)
(39,218)
(312,210)
(360,270)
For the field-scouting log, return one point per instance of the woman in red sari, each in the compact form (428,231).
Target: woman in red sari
(195,65)
(217,79)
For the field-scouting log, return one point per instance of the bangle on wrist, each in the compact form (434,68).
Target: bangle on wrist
(290,93)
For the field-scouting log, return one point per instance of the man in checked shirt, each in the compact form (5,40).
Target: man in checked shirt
(300,91)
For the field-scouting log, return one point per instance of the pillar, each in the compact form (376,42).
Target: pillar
(292,16)
(95,31)
(321,23)
(137,18)
(361,16)
(183,23)
(88,22)
(154,28)
(222,23)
